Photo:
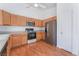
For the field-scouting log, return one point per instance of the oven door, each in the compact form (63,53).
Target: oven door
(31,35)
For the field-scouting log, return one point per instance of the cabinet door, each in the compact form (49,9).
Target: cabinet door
(43,35)
(9,46)
(15,41)
(17,20)
(30,20)
(22,39)
(13,20)
(18,40)
(1,17)
(38,23)
(21,20)
(43,23)
(40,36)
(6,18)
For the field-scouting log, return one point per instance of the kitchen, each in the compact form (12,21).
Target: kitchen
(17,30)
(37,29)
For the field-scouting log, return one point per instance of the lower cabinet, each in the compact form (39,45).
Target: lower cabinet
(18,40)
(40,36)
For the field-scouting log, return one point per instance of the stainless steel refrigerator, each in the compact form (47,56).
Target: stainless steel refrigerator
(51,32)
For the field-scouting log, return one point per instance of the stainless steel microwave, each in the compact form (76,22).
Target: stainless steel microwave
(30,24)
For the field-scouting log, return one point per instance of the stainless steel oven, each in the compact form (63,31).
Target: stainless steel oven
(31,33)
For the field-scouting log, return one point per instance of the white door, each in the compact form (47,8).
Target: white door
(75,45)
(64,26)
(68,27)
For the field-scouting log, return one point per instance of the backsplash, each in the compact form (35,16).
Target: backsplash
(19,28)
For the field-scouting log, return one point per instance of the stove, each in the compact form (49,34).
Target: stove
(31,35)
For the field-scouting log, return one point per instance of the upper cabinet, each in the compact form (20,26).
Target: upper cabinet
(17,20)
(1,17)
(30,20)
(9,19)
(43,23)
(13,20)
(39,23)
(21,20)
(4,18)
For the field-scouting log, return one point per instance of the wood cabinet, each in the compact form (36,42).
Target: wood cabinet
(13,20)
(4,18)
(43,35)
(21,20)
(1,18)
(16,40)
(40,36)
(38,23)
(17,20)
(9,46)
(30,19)
(43,23)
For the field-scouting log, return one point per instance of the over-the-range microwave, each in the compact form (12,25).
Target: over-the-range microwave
(30,24)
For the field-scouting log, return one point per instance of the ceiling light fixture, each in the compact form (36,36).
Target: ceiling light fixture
(36,5)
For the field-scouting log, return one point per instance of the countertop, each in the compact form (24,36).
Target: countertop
(17,32)
(3,40)
(4,35)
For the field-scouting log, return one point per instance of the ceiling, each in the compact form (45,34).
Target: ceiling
(40,5)
(41,11)
(29,5)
